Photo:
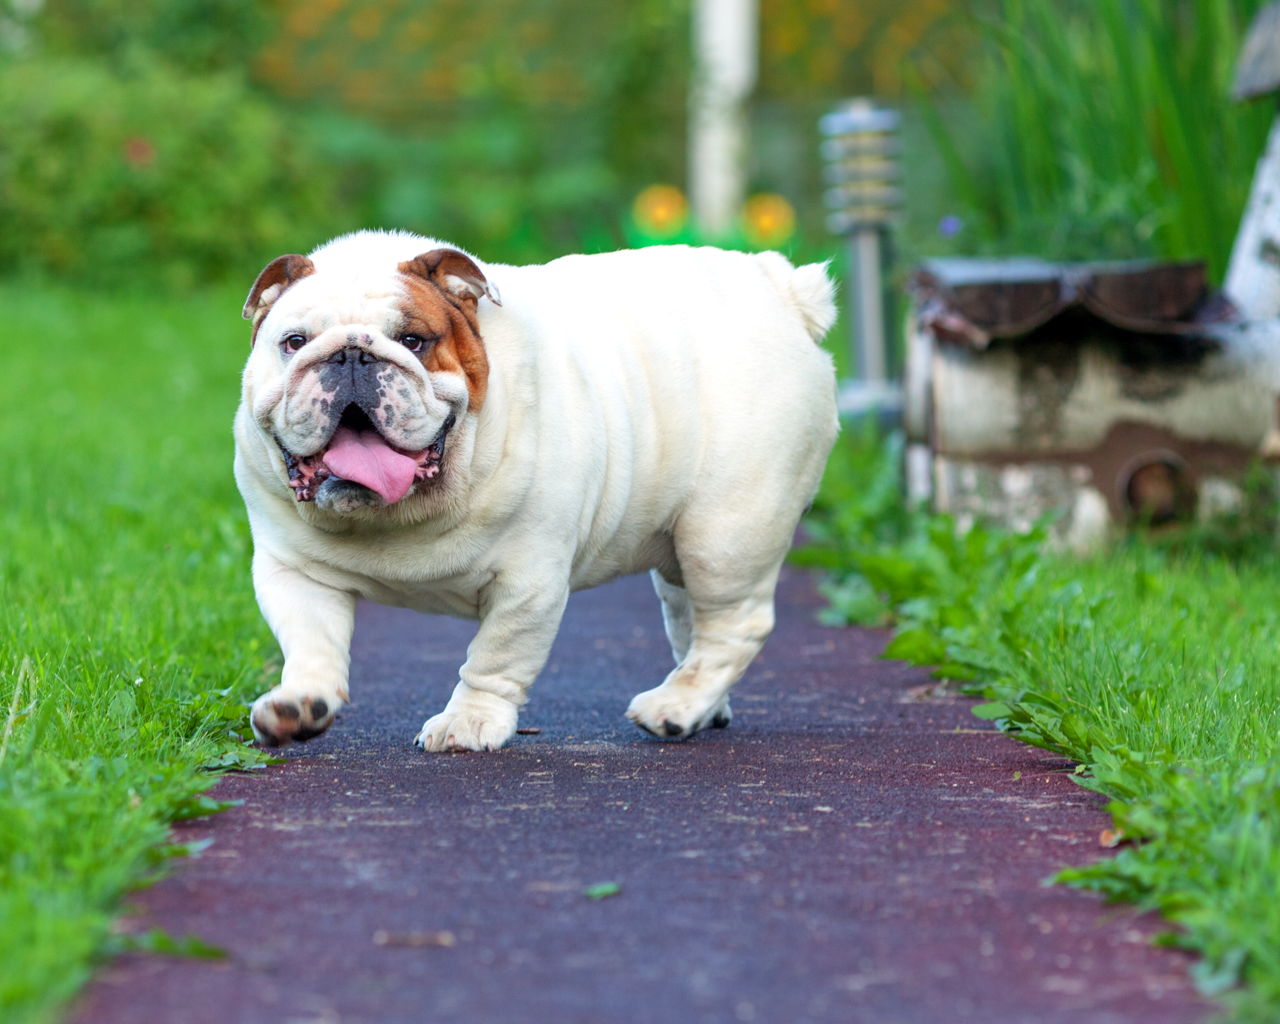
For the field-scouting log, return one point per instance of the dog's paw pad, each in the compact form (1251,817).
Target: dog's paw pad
(278,721)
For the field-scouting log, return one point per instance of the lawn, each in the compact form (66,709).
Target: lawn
(129,643)
(1155,665)
(128,632)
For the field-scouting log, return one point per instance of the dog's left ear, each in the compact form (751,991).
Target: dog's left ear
(454,272)
(276,276)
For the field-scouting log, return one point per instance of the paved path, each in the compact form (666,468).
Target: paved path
(852,849)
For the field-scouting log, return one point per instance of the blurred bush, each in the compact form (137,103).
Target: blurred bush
(824,49)
(108,175)
(189,138)
(521,127)
(197,36)
(505,182)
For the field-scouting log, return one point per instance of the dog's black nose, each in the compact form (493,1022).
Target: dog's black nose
(358,355)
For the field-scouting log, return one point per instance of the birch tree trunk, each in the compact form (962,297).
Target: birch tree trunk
(725,39)
(1253,275)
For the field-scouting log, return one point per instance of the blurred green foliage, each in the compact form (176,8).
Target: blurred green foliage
(524,126)
(1104,129)
(197,36)
(188,139)
(147,174)
(830,48)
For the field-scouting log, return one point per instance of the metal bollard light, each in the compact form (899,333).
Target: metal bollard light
(860,152)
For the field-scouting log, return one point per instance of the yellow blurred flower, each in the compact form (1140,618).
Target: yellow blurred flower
(768,219)
(660,210)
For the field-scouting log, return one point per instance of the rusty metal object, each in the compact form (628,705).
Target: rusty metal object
(975,302)
(1258,72)
(1136,474)
(1110,393)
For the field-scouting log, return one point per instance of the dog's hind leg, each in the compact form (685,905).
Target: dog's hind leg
(717,622)
(677,614)
(726,635)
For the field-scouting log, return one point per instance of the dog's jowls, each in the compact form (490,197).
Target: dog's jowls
(411,436)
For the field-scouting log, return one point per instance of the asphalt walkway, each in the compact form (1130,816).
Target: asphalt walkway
(854,848)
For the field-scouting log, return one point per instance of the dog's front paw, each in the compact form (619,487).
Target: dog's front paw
(673,712)
(472,721)
(279,719)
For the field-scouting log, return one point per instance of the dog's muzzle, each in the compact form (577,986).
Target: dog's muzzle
(359,454)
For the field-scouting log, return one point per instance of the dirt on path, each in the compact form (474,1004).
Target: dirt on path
(854,848)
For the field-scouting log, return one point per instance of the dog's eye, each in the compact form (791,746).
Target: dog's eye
(293,342)
(415,342)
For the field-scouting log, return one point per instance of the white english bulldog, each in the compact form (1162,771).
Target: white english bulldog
(407,436)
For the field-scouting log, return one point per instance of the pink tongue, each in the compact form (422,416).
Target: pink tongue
(365,458)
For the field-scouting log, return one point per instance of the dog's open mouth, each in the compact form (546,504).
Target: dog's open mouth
(357,452)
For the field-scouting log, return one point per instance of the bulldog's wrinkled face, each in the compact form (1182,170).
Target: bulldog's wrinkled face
(360,378)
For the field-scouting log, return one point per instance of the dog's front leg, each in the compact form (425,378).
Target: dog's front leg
(517,626)
(313,625)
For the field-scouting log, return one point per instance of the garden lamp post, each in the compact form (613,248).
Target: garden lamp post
(860,153)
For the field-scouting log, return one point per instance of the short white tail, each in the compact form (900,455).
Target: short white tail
(809,288)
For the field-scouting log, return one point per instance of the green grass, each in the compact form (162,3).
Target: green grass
(128,631)
(1106,130)
(1155,665)
(129,641)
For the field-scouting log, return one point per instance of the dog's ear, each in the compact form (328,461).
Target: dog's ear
(276,276)
(453,272)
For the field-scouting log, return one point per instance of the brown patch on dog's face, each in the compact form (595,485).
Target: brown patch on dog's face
(444,288)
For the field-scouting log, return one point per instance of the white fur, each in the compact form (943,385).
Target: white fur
(663,409)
